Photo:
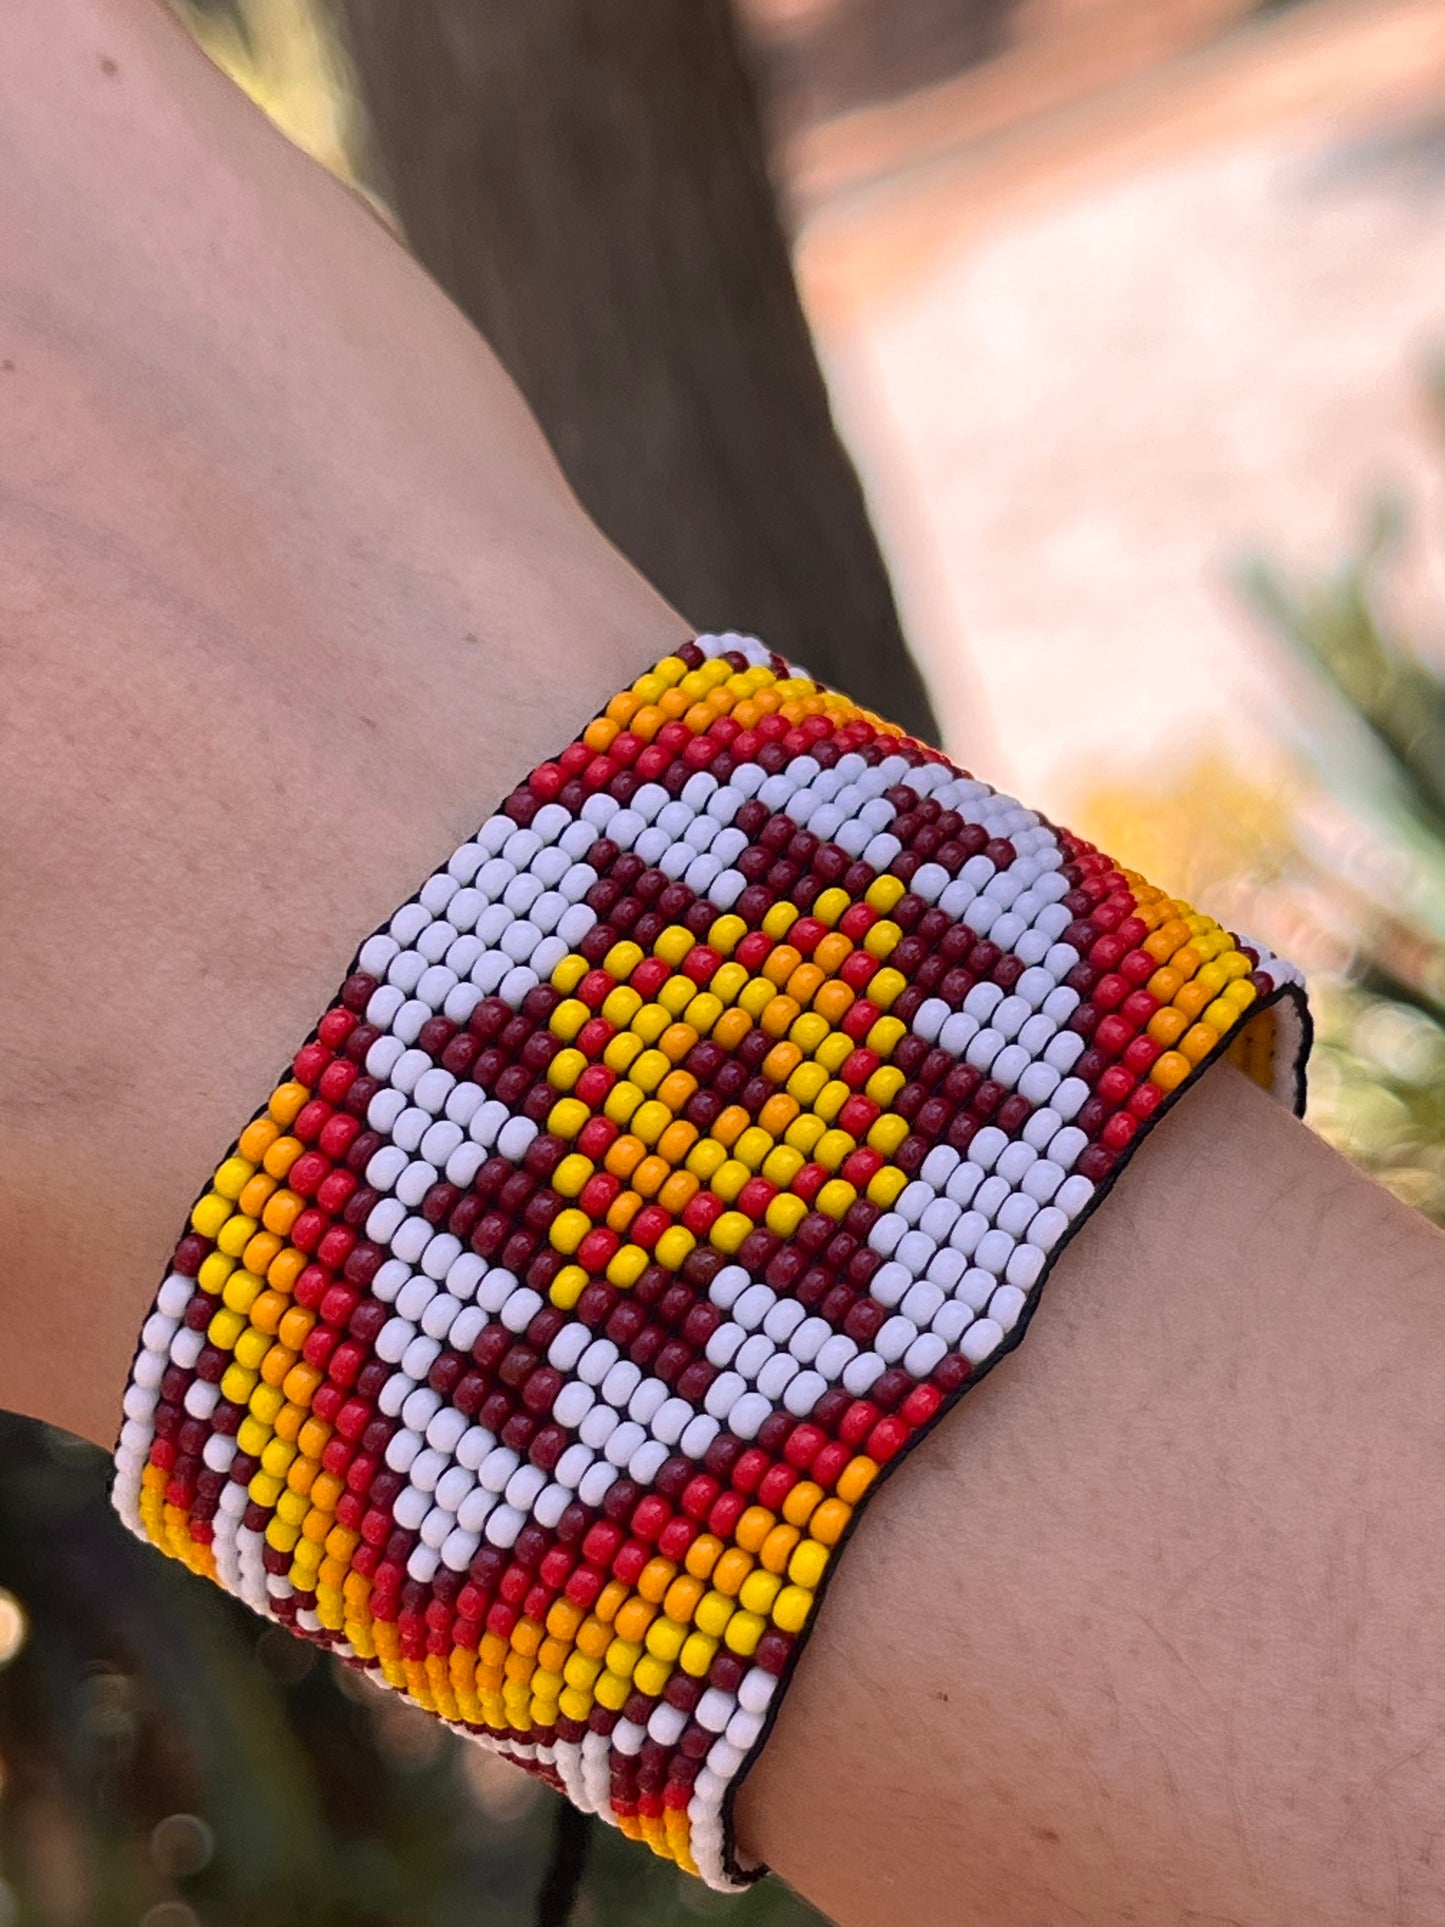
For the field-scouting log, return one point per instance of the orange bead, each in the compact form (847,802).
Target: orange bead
(1170,1070)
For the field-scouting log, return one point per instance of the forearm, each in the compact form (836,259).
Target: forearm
(290,590)
(1145,1630)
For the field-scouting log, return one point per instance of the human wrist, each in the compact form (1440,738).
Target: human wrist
(1001,1067)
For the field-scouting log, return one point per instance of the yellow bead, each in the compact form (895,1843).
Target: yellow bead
(652,1675)
(252,1437)
(808,1032)
(882,938)
(744,1630)
(884,892)
(885,1035)
(730,1230)
(706,1158)
(725,933)
(673,944)
(225,1328)
(565,1068)
(1221,1016)
(673,1247)
(885,1084)
(887,986)
(235,1234)
(567,1287)
(241,1291)
(233,1176)
(622,1052)
(649,1120)
(808,1564)
(833,1053)
(830,905)
(806,1082)
(675,996)
(568,1018)
(570,972)
(621,1005)
(791,1608)
(698,1653)
(237,1384)
(622,959)
(210,1213)
(887,1134)
(780,918)
(832,1147)
(804,1133)
(613,1690)
(571,1174)
(782,1165)
(624,1268)
(835,1198)
(567,1117)
(758,1591)
(251,1347)
(713,1612)
(784,1214)
(568,1229)
(665,1638)
(215,1269)
(266,1402)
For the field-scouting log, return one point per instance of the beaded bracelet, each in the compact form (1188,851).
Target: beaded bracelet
(662,1171)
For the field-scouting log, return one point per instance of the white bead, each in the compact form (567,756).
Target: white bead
(886,1233)
(597,1361)
(746,1414)
(975,1288)
(497,1467)
(803,1392)
(474,1509)
(647,1401)
(753,1354)
(915,1249)
(646,1460)
(809,1337)
(698,1434)
(421,1566)
(925,1354)
(1067,1145)
(504,1522)
(495,1287)
(1015,1213)
(523,1486)
(1041,1128)
(951,1320)
(419,1357)
(573,1403)
(411,1508)
(598,1426)
(671,1419)
(774,1378)
(1073,1195)
(921,1301)
(862,1373)
(894,1338)
(947,1268)
(458,1547)
(836,1356)
(753,1306)
(981,1340)
(621,1382)
(783,1320)
(723,1393)
(964,1183)
(1025,1267)
(596,1482)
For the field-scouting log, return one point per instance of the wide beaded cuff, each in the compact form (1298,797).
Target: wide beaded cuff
(668,1165)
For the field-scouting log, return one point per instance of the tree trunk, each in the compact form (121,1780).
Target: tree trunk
(588,180)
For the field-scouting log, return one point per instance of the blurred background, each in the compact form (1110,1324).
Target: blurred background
(1067,376)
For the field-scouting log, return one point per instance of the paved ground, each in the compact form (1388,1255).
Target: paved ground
(1085,371)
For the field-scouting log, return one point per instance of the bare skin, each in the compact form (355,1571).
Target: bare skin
(290,591)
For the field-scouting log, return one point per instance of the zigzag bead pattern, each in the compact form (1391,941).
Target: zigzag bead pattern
(682,1150)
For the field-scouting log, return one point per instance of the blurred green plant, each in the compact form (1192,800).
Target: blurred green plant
(1374,751)
(1334,846)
